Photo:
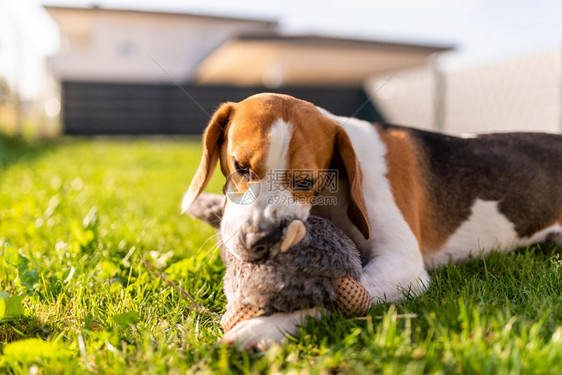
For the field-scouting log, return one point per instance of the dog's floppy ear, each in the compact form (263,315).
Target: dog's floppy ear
(356,205)
(212,139)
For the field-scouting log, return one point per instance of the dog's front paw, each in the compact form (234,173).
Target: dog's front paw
(257,333)
(262,332)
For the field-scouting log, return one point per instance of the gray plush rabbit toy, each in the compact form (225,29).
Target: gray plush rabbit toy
(316,265)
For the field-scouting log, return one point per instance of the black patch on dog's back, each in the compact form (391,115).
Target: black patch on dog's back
(523,171)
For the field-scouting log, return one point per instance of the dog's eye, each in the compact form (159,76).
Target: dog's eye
(241,169)
(304,185)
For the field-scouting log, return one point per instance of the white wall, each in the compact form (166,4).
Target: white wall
(118,46)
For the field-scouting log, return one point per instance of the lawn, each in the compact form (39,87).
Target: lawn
(76,214)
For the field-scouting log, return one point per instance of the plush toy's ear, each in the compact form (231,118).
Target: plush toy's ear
(293,235)
(208,208)
(212,139)
(356,205)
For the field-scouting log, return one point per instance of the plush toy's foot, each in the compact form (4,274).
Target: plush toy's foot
(353,298)
(233,317)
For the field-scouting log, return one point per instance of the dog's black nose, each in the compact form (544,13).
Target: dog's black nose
(261,246)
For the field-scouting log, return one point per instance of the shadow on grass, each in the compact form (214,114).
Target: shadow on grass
(22,328)
(15,149)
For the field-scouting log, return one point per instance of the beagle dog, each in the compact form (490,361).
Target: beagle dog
(411,200)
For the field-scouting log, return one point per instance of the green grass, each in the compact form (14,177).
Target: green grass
(75,215)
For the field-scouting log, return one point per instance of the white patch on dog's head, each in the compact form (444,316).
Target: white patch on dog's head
(279,139)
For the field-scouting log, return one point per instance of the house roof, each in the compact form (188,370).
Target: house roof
(276,59)
(331,41)
(59,9)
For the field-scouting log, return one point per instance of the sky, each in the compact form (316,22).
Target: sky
(483,31)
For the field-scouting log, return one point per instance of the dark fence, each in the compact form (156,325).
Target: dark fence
(117,108)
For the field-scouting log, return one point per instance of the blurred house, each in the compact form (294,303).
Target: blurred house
(141,72)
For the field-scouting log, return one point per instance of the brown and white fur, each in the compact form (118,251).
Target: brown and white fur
(411,200)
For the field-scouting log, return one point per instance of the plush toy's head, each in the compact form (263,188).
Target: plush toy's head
(300,276)
(316,265)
